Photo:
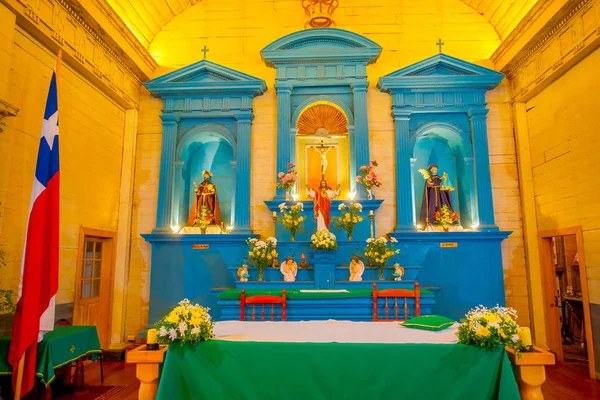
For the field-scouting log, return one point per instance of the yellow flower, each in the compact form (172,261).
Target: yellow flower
(173,318)
(483,331)
(491,318)
(501,331)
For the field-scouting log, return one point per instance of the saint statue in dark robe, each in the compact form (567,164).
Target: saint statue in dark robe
(206,195)
(436,195)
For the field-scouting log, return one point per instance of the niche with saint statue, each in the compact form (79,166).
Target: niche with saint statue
(442,177)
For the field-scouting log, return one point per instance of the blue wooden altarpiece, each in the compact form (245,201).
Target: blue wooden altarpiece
(439,111)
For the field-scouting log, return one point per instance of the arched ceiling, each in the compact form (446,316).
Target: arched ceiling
(146,18)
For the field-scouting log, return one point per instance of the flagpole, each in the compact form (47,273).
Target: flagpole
(20,376)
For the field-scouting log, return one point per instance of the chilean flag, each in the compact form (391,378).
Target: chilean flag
(39,269)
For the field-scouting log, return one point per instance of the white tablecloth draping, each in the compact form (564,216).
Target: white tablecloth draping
(330,332)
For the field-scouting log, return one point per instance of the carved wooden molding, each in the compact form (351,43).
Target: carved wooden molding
(57,25)
(560,44)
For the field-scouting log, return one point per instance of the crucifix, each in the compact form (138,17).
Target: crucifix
(205,50)
(440,44)
(323,150)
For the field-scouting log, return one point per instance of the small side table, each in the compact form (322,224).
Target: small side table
(147,369)
(530,371)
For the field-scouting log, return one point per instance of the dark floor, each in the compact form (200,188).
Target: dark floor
(564,382)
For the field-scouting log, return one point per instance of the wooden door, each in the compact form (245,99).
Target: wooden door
(93,285)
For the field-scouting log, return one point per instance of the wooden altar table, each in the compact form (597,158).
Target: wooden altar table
(334,360)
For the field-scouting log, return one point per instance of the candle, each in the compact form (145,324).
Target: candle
(371,212)
(525,336)
(151,339)
(274,214)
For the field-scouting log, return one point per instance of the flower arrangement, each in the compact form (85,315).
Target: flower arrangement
(349,217)
(292,220)
(262,253)
(367,176)
(288,180)
(445,217)
(204,218)
(489,327)
(379,251)
(323,240)
(186,323)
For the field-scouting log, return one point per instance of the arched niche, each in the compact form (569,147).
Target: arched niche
(439,111)
(207,116)
(322,65)
(211,147)
(450,149)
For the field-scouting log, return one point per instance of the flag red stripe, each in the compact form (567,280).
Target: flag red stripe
(40,279)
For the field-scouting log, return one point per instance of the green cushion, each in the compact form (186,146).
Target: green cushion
(429,322)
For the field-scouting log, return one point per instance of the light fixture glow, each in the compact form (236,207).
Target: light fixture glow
(475,225)
(351,195)
(175,229)
(419,227)
(295,196)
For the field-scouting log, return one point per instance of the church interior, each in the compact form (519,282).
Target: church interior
(402,185)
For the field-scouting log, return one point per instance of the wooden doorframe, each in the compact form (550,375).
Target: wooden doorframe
(106,301)
(549,289)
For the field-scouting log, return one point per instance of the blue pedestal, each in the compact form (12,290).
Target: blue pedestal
(324,266)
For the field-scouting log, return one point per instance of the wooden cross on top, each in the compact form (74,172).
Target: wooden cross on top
(205,50)
(440,44)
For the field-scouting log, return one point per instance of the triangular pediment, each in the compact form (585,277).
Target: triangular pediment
(441,71)
(205,76)
(321,45)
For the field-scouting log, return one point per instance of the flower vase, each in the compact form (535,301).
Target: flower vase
(203,230)
(369,194)
(381,272)
(292,236)
(261,274)
(288,196)
(350,236)
(446,228)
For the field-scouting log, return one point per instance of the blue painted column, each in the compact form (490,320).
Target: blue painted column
(481,165)
(404,180)
(361,130)
(284,110)
(241,222)
(165,183)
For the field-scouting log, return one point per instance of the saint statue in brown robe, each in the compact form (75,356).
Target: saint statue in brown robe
(206,195)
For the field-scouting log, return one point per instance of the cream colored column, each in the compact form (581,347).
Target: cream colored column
(530,231)
(117,330)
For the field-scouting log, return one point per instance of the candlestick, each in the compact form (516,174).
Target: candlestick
(525,336)
(151,343)
(371,212)
(372,224)
(274,214)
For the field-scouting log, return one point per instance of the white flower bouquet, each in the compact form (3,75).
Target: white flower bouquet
(186,323)
(489,327)
(379,251)
(323,240)
(350,216)
(262,253)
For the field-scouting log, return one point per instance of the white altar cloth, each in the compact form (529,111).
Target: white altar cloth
(330,332)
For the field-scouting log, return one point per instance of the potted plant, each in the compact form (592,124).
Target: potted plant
(203,219)
(368,178)
(445,217)
(379,251)
(261,254)
(287,181)
(323,240)
(186,323)
(292,220)
(350,216)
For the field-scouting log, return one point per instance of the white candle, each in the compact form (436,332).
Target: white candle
(274,214)
(371,212)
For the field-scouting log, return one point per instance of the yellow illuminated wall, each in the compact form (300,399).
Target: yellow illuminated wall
(407,31)
(563,136)
(91,141)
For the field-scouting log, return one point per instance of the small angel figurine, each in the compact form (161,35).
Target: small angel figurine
(303,263)
(243,273)
(356,269)
(289,269)
(398,272)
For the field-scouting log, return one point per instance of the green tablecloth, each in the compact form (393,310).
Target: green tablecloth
(63,345)
(335,371)
(296,294)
